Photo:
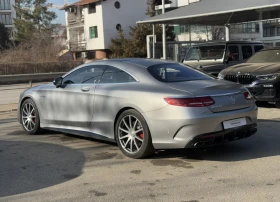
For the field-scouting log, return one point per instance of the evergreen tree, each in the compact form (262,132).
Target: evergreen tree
(4,37)
(32,16)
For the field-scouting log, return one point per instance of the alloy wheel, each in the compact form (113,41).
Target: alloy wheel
(131,134)
(28,117)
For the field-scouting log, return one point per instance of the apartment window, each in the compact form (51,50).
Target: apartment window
(184,28)
(271,28)
(245,28)
(5,5)
(93,32)
(91,8)
(117,5)
(6,19)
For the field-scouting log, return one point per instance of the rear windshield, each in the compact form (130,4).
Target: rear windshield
(270,56)
(176,73)
(206,53)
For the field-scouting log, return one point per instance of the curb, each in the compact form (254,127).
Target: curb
(11,110)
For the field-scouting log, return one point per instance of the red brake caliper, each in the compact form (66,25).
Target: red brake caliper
(141,136)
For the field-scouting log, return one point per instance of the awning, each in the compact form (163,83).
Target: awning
(217,12)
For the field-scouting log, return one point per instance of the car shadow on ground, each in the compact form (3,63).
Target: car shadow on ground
(265,105)
(265,143)
(29,166)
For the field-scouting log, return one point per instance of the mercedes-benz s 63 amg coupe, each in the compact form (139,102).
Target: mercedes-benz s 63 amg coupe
(141,104)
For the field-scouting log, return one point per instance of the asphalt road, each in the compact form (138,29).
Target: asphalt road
(58,167)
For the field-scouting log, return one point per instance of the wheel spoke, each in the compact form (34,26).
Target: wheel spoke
(32,110)
(136,145)
(126,142)
(129,117)
(137,131)
(135,124)
(25,117)
(131,146)
(126,136)
(141,140)
(24,111)
(125,124)
(31,121)
(123,130)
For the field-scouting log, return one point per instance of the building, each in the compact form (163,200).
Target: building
(91,24)
(267,31)
(7,14)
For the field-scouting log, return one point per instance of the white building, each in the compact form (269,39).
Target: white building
(7,14)
(91,24)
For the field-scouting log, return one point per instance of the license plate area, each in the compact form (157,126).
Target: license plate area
(234,123)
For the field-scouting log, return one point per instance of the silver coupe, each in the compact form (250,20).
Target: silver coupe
(141,104)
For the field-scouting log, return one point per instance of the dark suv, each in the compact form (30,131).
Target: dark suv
(215,57)
(260,74)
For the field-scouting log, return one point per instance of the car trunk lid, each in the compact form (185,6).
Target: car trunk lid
(227,96)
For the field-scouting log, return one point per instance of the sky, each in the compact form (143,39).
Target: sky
(60,14)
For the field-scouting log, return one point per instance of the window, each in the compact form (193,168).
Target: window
(93,32)
(117,5)
(176,73)
(247,52)
(5,5)
(184,29)
(271,28)
(6,19)
(118,27)
(115,75)
(233,51)
(88,74)
(193,54)
(91,8)
(258,48)
(206,53)
(245,28)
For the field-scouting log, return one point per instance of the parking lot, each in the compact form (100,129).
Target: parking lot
(59,167)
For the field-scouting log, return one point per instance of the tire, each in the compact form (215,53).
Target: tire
(277,105)
(141,141)
(30,121)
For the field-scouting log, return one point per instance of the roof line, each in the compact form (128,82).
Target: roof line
(202,15)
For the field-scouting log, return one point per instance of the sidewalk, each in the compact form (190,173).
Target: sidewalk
(8,108)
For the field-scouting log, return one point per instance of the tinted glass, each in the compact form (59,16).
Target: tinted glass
(176,73)
(233,51)
(206,52)
(115,75)
(88,74)
(247,52)
(258,48)
(271,56)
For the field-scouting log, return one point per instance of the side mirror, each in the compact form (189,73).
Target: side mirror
(58,82)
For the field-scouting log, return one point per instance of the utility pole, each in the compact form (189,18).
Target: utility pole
(163,33)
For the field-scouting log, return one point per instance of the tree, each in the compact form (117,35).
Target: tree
(32,16)
(4,37)
(120,46)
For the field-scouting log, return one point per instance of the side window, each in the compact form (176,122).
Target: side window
(247,52)
(258,48)
(193,54)
(115,75)
(88,74)
(233,51)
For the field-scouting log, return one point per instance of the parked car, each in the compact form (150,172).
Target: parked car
(213,57)
(142,105)
(260,74)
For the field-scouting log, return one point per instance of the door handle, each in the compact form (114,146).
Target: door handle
(85,89)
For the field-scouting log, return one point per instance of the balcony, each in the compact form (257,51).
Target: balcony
(77,46)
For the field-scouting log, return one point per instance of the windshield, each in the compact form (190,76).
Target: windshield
(206,53)
(176,73)
(270,56)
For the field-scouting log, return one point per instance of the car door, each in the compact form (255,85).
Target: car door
(72,104)
(113,90)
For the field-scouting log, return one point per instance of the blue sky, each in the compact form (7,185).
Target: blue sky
(60,14)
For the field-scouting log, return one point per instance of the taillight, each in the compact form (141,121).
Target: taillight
(248,96)
(190,102)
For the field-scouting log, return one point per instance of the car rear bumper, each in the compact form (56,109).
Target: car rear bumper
(222,136)
(179,127)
